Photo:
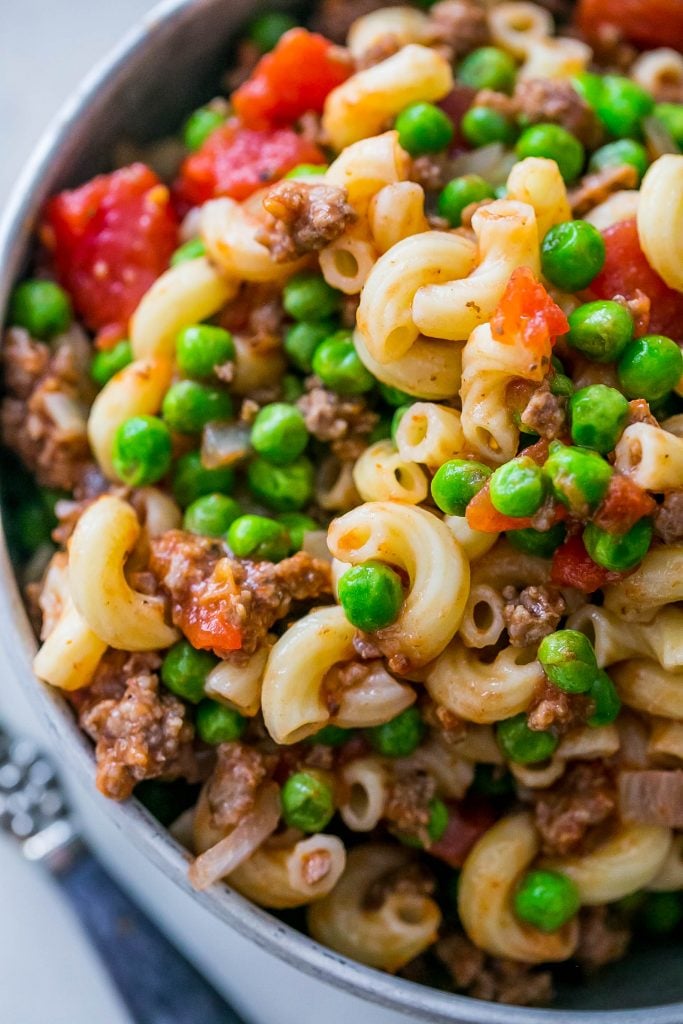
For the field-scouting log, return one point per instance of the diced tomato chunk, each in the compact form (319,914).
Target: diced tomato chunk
(623,505)
(573,567)
(627,272)
(110,239)
(236,161)
(527,314)
(481,515)
(295,77)
(208,627)
(467,822)
(647,23)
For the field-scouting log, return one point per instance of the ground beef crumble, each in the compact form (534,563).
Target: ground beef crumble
(594,188)
(532,613)
(603,937)
(303,217)
(457,27)
(140,730)
(583,798)
(556,101)
(669,518)
(545,413)
(552,708)
(408,799)
(343,421)
(492,978)
(234,782)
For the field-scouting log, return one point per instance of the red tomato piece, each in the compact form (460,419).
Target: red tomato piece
(527,314)
(467,822)
(481,515)
(623,505)
(626,272)
(236,161)
(208,627)
(295,77)
(110,239)
(647,23)
(573,567)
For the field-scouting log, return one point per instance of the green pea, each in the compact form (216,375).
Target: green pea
(460,193)
(568,659)
(621,106)
(291,388)
(671,116)
(258,538)
(188,406)
(579,478)
(41,307)
(381,431)
(371,595)
(589,86)
(107,362)
(555,143)
(201,348)
(562,385)
(598,416)
(572,254)
(492,780)
(398,737)
(211,515)
(184,670)
(662,912)
(330,736)
(488,68)
(518,487)
(297,525)
(266,30)
(456,483)
(606,701)
(616,154)
(396,419)
(523,745)
(192,480)
(141,451)
(534,542)
(279,433)
(600,330)
(546,900)
(481,126)
(191,250)
(394,396)
(33,525)
(307,802)
(618,552)
(283,488)
(199,125)
(436,826)
(649,367)
(423,128)
(302,339)
(339,367)
(308,296)
(306,170)
(216,723)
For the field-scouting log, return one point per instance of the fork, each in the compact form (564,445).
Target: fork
(157,984)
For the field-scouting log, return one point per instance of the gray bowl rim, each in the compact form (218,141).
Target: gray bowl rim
(19,643)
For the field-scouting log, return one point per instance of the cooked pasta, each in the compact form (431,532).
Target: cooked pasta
(382,474)
(650,456)
(430,434)
(518,26)
(280,876)
(660,218)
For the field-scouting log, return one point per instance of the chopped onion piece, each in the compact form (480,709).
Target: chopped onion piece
(224,444)
(658,139)
(493,162)
(315,544)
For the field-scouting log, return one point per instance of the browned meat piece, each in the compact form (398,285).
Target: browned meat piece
(459,26)
(498,101)
(553,708)
(429,171)
(232,786)
(603,938)
(594,188)
(303,217)
(199,576)
(611,50)
(532,613)
(407,806)
(344,421)
(43,417)
(639,412)
(345,676)
(144,733)
(365,648)
(491,978)
(545,413)
(651,797)
(555,100)
(334,18)
(316,866)
(669,518)
(639,308)
(583,798)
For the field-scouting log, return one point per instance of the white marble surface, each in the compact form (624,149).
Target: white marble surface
(48,973)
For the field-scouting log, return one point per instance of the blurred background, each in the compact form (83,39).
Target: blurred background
(48,972)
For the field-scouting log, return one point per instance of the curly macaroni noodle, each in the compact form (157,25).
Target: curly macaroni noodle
(614,639)
(362,105)
(474,543)
(438,571)
(238,685)
(346,263)
(644,685)
(657,581)
(430,370)
(123,618)
(404,24)
(669,878)
(651,456)
(368,166)
(430,434)
(388,937)
(658,70)
(397,212)
(382,474)
(276,876)
(70,654)
(365,789)
(555,58)
(517,27)
(660,218)
(486,888)
(229,232)
(538,183)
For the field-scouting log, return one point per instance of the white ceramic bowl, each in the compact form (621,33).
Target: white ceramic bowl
(272,974)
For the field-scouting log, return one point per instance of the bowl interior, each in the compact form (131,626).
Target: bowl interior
(145,90)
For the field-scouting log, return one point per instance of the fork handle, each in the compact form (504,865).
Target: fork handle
(157,984)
